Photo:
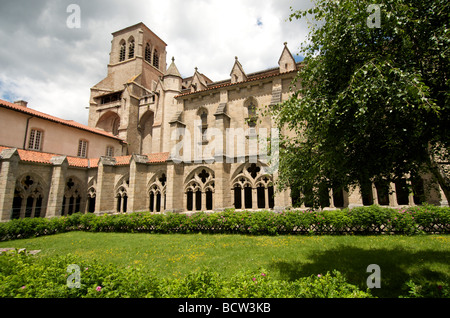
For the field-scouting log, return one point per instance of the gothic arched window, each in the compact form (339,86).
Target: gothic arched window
(148,53)
(155,59)
(131,49)
(122,51)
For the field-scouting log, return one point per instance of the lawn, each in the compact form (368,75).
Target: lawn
(401,258)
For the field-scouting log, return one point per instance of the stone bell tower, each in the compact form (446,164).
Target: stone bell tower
(125,103)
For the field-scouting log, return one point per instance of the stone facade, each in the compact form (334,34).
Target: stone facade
(186,144)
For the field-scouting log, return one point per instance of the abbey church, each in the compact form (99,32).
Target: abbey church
(158,142)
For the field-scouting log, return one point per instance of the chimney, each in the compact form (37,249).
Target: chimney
(21,103)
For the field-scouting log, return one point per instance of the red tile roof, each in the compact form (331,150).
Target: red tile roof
(44,157)
(45,116)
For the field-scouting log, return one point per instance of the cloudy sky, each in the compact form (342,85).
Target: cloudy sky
(52,66)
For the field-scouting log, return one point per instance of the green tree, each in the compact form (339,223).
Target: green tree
(373,103)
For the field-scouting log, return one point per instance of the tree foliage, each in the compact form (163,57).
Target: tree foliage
(373,102)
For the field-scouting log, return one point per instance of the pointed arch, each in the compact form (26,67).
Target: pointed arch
(199,189)
(253,188)
(146,131)
(157,192)
(29,194)
(148,52)
(122,52)
(109,122)
(131,47)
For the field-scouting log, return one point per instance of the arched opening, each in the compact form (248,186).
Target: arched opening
(148,53)
(237,197)
(109,122)
(189,200)
(72,196)
(155,59)
(131,48)
(28,198)
(198,200)
(17,205)
(209,199)
(152,202)
(248,197)
(122,52)
(146,132)
(382,192)
(338,198)
(261,196)
(402,192)
(199,190)
(91,200)
(91,204)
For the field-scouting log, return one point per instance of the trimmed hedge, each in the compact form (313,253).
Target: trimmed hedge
(30,277)
(361,220)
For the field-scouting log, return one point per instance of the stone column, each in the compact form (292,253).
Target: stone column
(330,194)
(175,187)
(104,202)
(266,197)
(57,187)
(374,194)
(9,160)
(203,205)
(392,195)
(254,198)
(354,197)
(137,190)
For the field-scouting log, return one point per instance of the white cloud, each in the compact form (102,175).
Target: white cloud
(53,67)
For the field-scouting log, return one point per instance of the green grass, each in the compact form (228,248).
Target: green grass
(401,258)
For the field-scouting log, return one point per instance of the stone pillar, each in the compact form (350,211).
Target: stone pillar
(392,195)
(203,205)
(410,194)
(175,187)
(330,194)
(9,160)
(104,202)
(254,198)
(57,187)
(137,190)
(266,197)
(374,194)
(354,197)
(282,198)
(222,193)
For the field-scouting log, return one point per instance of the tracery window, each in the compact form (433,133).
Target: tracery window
(252,188)
(199,190)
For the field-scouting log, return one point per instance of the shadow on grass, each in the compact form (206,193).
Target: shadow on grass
(397,267)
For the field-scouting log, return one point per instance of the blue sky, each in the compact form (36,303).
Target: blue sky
(53,67)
